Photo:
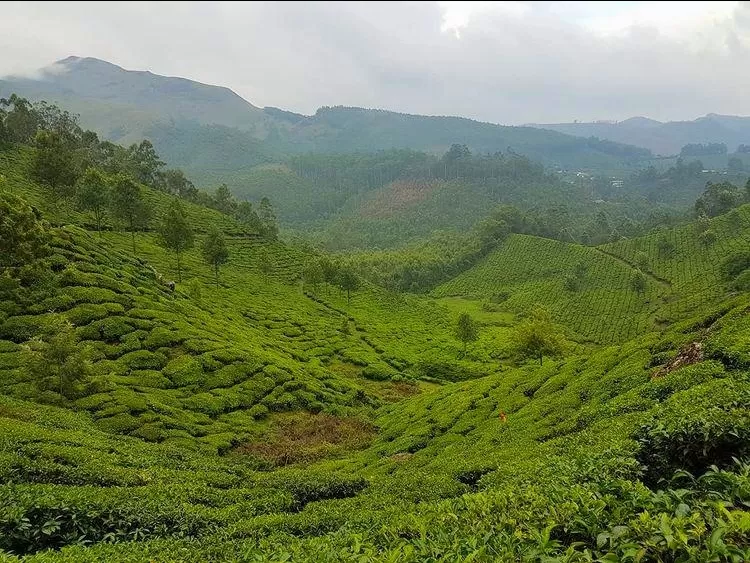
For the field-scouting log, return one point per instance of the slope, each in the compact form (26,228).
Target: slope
(240,425)
(683,275)
(122,105)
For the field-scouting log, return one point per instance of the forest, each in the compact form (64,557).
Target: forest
(186,375)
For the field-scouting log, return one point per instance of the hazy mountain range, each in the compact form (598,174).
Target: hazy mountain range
(664,138)
(187,119)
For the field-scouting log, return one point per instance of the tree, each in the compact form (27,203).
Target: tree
(20,123)
(330,270)
(54,163)
(144,163)
(23,234)
(57,362)
(246,215)
(175,233)
(312,274)
(126,204)
(265,264)
(215,251)
(747,190)
(718,199)
(348,281)
(92,194)
(176,183)
(638,282)
(269,228)
(224,201)
(537,336)
(466,330)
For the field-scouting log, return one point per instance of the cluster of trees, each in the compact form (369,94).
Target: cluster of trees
(720,197)
(535,336)
(75,163)
(176,234)
(332,273)
(701,149)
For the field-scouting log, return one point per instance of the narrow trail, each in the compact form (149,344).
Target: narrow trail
(661,281)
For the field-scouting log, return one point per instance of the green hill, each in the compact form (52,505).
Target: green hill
(683,275)
(259,419)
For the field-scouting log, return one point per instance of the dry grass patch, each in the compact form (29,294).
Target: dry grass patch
(304,438)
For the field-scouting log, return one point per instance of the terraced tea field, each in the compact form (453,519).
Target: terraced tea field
(527,270)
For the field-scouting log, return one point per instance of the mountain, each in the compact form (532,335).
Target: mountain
(122,104)
(125,106)
(663,138)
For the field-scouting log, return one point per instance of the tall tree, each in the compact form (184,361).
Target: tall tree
(127,205)
(246,215)
(312,274)
(215,251)
(330,271)
(175,183)
(144,163)
(23,234)
(638,282)
(466,330)
(270,229)
(175,233)
(348,281)
(224,200)
(20,120)
(537,336)
(92,194)
(54,163)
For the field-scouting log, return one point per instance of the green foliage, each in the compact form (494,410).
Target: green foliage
(348,281)
(175,232)
(127,205)
(92,194)
(537,336)
(638,282)
(312,275)
(215,251)
(57,362)
(718,198)
(466,329)
(23,235)
(54,163)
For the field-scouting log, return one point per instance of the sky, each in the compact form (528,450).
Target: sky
(503,62)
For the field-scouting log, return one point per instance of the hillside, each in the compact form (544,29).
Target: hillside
(682,276)
(121,105)
(663,138)
(254,417)
(125,106)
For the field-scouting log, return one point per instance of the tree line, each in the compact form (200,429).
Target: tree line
(105,177)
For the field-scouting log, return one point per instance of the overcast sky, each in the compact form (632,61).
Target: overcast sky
(504,62)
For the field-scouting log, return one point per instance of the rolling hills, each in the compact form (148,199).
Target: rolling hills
(264,417)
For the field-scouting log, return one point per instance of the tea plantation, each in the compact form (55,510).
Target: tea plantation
(258,417)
